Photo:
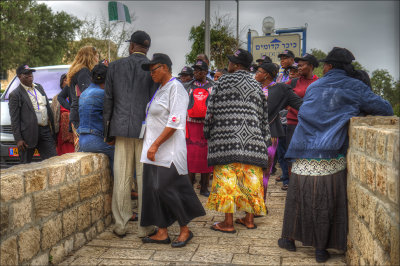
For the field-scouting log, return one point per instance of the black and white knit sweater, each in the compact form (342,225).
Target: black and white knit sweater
(236,124)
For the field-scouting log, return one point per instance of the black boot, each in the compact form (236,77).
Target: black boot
(204,185)
(192,178)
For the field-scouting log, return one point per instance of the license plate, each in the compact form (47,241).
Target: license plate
(13,152)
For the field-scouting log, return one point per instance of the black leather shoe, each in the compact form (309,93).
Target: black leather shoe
(286,244)
(147,240)
(205,193)
(181,244)
(321,255)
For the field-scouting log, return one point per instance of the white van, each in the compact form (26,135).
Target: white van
(49,78)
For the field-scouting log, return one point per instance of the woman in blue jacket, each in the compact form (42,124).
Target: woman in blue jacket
(316,202)
(91,116)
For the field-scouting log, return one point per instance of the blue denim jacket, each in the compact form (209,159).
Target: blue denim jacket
(324,117)
(91,111)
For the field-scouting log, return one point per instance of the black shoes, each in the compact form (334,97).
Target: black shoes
(205,193)
(286,244)
(180,244)
(321,255)
(147,240)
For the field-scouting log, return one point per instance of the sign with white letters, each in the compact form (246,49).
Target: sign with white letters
(273,45)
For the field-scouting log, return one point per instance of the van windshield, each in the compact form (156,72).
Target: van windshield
(48,78)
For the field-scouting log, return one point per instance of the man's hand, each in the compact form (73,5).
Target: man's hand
(22,145)
(151,153)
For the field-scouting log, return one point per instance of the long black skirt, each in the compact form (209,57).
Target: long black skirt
(316,210)
(168,197)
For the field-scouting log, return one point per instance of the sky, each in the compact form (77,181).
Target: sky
(369,29)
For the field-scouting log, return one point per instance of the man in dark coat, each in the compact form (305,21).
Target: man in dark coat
(31,118)
(128,89)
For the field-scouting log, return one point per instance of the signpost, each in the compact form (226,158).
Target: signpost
(273,45)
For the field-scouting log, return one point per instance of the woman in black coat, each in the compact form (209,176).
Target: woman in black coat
(279,96)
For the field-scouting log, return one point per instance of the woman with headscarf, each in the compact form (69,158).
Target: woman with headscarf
(78,79)
(168,195)
(316,202)
(279,96)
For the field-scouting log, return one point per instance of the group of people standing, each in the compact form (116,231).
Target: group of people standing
(161,131)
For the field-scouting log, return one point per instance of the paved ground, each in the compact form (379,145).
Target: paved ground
(246,247)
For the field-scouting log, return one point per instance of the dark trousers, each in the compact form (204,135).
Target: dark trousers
(46,146)
(281,151)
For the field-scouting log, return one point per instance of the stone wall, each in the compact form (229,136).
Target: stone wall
(373,189)
(53,207)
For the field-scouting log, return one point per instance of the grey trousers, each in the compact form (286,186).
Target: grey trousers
(127,159)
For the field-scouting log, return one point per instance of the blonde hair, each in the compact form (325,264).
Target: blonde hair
(86,57)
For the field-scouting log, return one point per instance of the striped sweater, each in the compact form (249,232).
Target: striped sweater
(236,124)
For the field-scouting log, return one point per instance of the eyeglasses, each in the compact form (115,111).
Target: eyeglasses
(152,71)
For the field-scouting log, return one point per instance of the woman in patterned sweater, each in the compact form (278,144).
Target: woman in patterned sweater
(237,130)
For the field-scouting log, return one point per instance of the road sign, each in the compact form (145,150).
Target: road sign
(274,45)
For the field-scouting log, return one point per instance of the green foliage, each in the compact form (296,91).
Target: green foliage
(31,33)
(319,54)
(222,41)
(383,85)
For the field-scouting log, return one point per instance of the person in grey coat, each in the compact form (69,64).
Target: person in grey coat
(128,89)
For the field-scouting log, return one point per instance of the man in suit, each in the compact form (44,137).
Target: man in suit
(31,118)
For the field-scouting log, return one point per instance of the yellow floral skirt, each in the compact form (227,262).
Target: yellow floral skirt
(237,187)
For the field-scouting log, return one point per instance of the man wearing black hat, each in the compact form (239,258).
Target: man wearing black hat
(128,89)
(31,118)
(186,74)
(287,59)
(237,130)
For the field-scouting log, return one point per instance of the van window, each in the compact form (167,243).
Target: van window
(48,78)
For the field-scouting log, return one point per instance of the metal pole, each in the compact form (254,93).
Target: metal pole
(109,41)
(249,41)
(304,40)
(237,23)
(207,30)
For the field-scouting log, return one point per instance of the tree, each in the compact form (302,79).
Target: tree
(319,54)
(31,33)
(222,41)
(383,85)
(99,33)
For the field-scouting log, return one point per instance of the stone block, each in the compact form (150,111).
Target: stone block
(11,187)
(86,165)
(360,143)
(69,195)
(396,150)
(370,141)
(105,181)
(381,175)
(69,245)
(89,186)
(40,260)
(96,208)
(29,244)
(394,243)
(380,256)
(9,252)
(367,246)
(79,240)
(100,226)
(56,174)
(370,173)
(70,218)
(107,204)
(83,216)
(57,254)
(46,203)
(22,212)
(51,232)
(393,187)
(366,206)
(4,219)
(108,220)
(91,233)
(352,195)
(35,180)
(361,169)
(73,170)
(381,139)
(382,227)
